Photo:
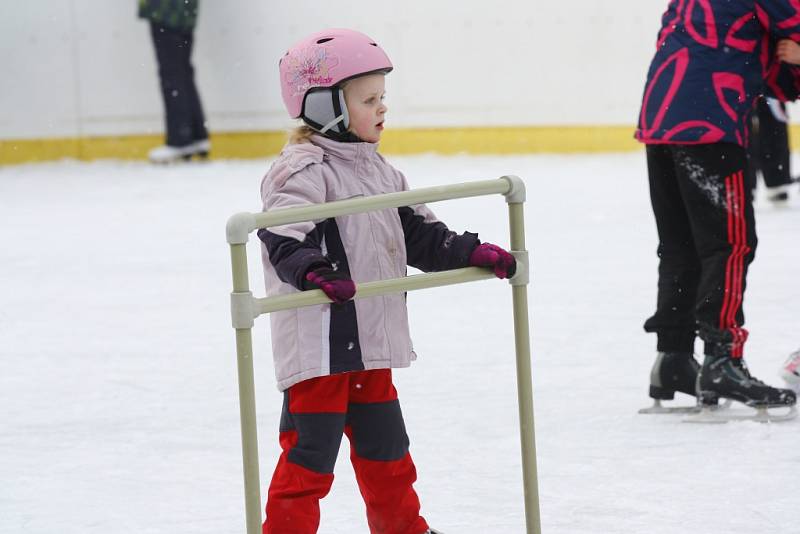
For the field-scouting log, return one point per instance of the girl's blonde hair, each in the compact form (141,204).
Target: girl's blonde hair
(300,134)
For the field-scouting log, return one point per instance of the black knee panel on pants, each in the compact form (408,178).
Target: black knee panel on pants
(318,438)
(378,430)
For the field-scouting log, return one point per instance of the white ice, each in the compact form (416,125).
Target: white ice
(118,394)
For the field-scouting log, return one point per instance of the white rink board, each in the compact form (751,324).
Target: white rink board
(87,67)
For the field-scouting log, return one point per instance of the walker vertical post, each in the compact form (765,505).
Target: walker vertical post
(247,400)
(519,287)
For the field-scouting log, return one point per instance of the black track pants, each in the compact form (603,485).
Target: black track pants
(707,239)
(185,122)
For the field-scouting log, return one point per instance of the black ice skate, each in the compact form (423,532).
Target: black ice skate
(729,378)
(674,372)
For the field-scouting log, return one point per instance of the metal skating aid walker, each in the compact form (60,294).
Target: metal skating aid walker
(245,308)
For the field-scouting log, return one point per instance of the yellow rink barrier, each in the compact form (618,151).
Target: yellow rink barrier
(501,140)
(265,144)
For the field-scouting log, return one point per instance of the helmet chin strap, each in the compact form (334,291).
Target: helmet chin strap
(331,124)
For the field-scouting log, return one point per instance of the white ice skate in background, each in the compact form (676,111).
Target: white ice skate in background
(790,370)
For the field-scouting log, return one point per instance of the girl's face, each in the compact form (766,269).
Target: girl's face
(364,99)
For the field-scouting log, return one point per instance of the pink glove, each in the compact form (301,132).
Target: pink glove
(488,255)
(336,285)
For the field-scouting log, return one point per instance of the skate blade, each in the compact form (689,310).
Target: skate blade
(658,408)
(759,415)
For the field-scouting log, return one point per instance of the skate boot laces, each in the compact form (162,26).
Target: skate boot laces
(739,362)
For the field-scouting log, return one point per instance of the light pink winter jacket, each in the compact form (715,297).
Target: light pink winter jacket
(303,343)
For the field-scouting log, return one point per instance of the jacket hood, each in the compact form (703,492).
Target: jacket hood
(293,158)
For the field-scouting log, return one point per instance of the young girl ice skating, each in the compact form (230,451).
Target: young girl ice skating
(334,361)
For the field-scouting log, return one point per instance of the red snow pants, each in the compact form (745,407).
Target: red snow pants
(362,405)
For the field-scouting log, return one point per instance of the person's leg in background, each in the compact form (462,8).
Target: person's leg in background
(719,204)
(198,121)
(712,182)
(675,368)
(773,147)
(186,133)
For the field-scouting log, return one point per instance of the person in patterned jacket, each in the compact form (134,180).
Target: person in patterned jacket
(712,59)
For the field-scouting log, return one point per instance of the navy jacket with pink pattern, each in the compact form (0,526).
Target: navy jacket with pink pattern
(369,333)
(713,58)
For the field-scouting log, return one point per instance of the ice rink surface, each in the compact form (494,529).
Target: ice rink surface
(118,394)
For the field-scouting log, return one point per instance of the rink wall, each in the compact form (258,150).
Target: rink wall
(80,79)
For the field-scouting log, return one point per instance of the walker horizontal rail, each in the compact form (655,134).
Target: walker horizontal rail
(240,225)
(374,289)
(379,202)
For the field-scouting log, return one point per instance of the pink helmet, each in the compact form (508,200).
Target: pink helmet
(323,61)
